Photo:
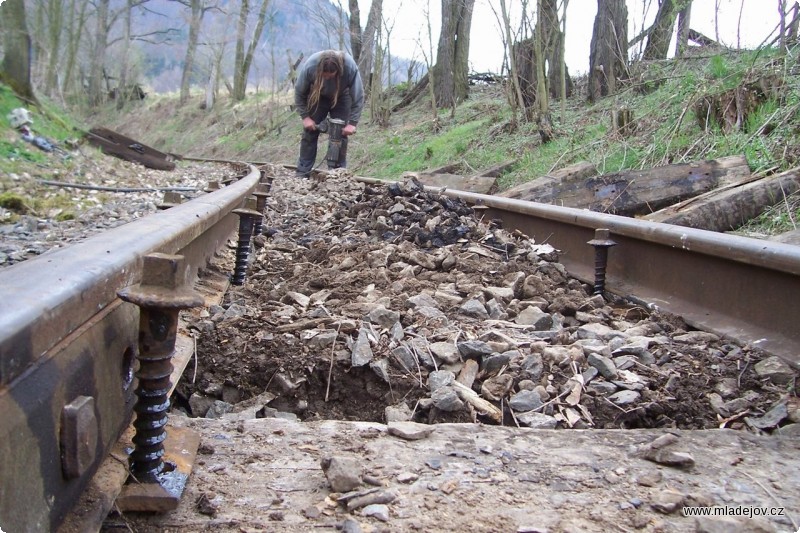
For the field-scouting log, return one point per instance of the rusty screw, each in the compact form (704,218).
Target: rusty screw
(160,297)
(601,244)
(171,199)
(247,219)
(261,194)
(213,185)
(264,179)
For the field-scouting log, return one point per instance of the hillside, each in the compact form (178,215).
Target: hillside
(666,100)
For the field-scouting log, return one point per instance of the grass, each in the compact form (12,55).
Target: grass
(782,217)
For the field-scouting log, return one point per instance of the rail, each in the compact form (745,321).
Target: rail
(738,287)
(67,350)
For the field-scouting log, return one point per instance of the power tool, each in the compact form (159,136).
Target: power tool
(333,127)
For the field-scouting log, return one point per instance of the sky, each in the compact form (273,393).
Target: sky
(408,22)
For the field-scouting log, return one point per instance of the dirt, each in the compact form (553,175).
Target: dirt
(315,227)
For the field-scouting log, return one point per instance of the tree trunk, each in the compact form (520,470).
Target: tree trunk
(661,31)
(368,42)
(553,41)
(97,92)
(251,49)
(197,12)
(443,69)
(122,86)
(37,29)
(15,70)
(564,74)
(729,208)
(451,85)
(517,96)
(792,31)
(239,81)
(74,32)
(542,100)
(549,63)
(633,192)
(413,93)
(684,21)
(782,23)
(211,87)
(55,15)
(355,31)
(608,58)
(461,58)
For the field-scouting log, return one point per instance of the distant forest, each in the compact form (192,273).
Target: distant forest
(79,48)
(292,28)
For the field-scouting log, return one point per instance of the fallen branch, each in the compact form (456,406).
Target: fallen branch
(472,398)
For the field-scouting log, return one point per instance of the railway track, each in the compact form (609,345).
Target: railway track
(68,343)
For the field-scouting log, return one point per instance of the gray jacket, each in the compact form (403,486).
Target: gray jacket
(351,79)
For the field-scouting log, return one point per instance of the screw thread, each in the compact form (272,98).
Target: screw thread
(600,264)
(246,223)
(258,225)
(151,417)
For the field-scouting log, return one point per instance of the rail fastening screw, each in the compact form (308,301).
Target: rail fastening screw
(261,194)
(247,219)
(171,199)
(264,179)
(213,185)
(160,297)
(601,244)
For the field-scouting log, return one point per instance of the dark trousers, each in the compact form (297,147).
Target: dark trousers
(308,143)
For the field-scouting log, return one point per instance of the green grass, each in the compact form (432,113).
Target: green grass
(782,217)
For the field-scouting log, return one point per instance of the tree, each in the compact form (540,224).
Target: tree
(74,30)
(660,32)
(548,61)
(122,90)
(608,57)
(452,58)
(564,75)
(553,42)
(321,12)
(516,98)
(244,60)
(684,21)
(368,42)
(15,70)
(98,58)
(55,13)
(543,115)
(355,31)
(198,10)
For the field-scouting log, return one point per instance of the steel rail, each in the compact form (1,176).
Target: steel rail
(68,346)
(737,287)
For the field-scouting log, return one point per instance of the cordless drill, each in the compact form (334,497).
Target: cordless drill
(333,127)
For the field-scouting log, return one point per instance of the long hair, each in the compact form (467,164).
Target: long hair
(330,61)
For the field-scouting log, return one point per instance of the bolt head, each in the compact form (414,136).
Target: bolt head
(163,284)
(79,434)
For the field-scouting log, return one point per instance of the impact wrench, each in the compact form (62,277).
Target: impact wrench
(333,127)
